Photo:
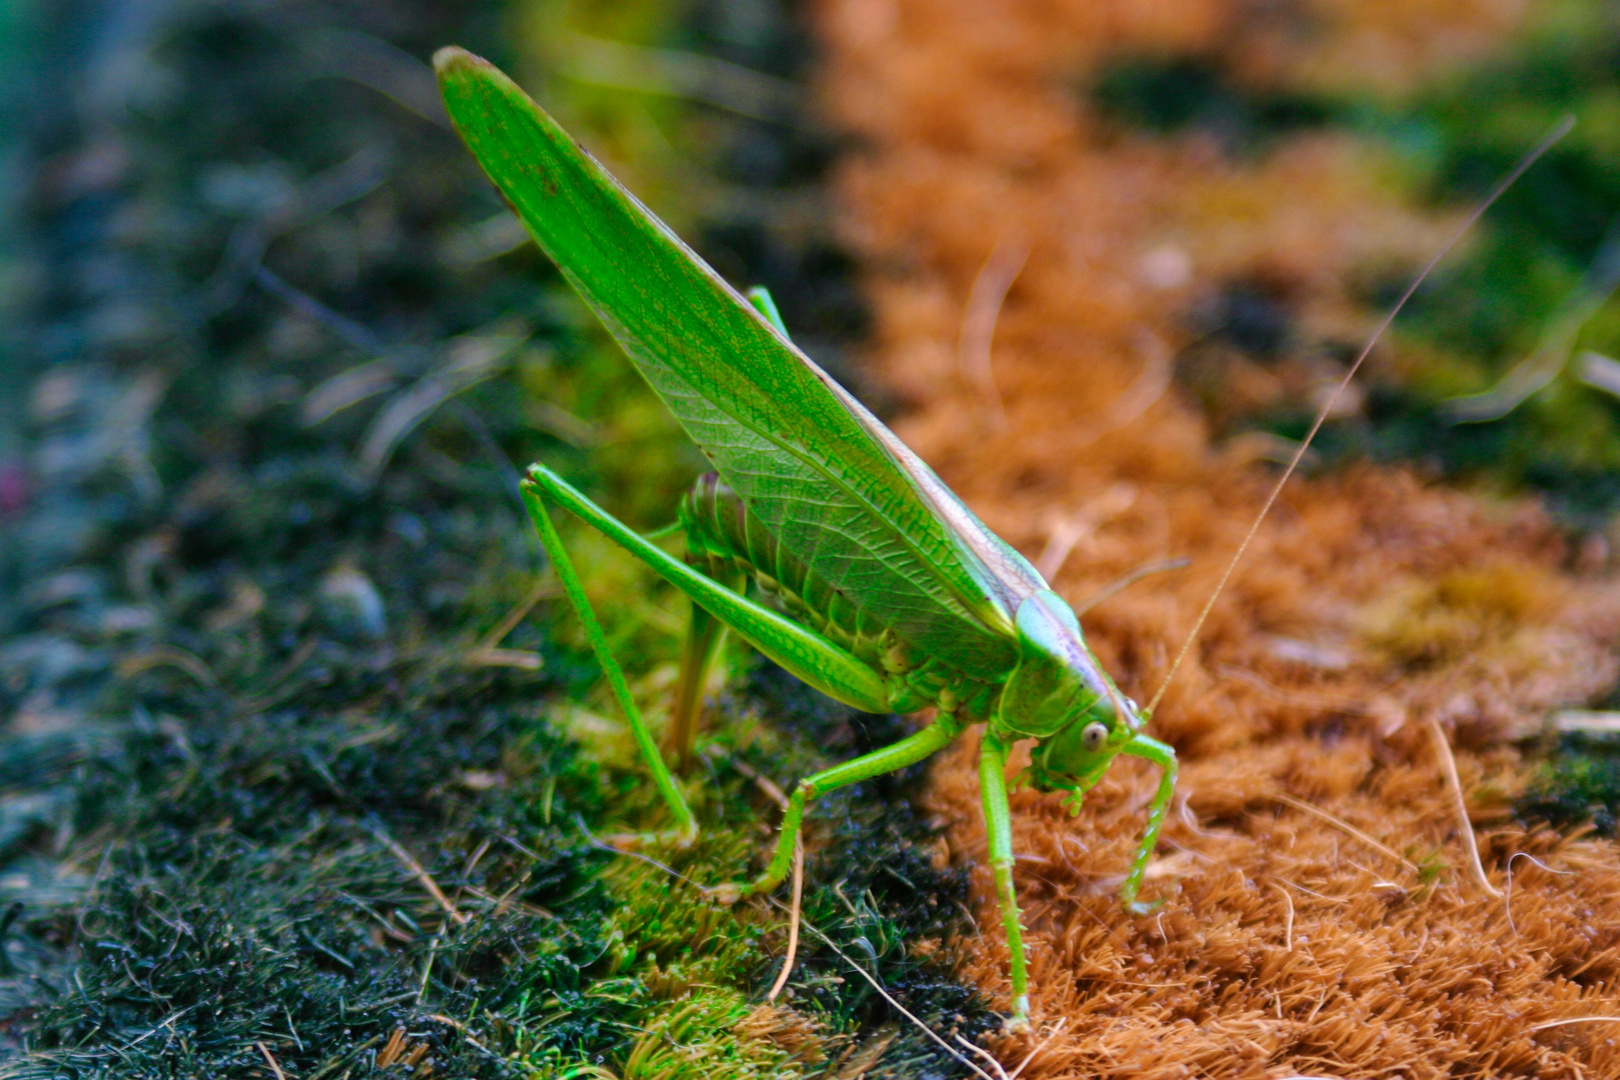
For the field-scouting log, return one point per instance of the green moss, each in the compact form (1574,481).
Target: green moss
(1485,310)
(1173,94)
(1577,788)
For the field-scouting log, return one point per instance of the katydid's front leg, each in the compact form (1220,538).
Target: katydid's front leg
(1149,749)
(1165,758)
(908,751)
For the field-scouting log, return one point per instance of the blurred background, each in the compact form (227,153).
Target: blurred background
(302,764)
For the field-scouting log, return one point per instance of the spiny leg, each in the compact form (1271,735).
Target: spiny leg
(1165,758)
(685,824)
(998,827)
(908,751)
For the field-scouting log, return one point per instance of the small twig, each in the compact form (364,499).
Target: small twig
(1022,1065)
(1340,823)
(605,846)
(487,652)
(1545,1024)
(1067,533)
(793,920)
(888,997)
(1029,1057)
(169,656)
(522,659)
(352,333)
(270,1058)
(1558,131)
(372,62)
(1288,927)
(1551,354)
(544,587)
(1507,892)
(420,873)
(466,1032)
(979,319)
(1294,699)
(1448,765)
(763,782)
(713,81)
(982,1052)
(1313,892)
(1119,585)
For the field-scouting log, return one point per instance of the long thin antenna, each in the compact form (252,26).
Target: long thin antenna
(1559,130)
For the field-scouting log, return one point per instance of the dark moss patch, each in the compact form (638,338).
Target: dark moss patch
(1172,94)
(261,798)
(1577,789)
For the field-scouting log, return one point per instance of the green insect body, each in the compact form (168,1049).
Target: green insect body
(883,590)
(724,539)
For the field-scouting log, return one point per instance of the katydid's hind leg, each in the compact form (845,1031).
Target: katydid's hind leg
(1165,758)
(685,825)
(703,640)
(998,829)
(908,751)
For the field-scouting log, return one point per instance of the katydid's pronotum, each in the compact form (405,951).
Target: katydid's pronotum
(882,589)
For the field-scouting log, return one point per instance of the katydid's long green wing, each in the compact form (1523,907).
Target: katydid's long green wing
(834,485)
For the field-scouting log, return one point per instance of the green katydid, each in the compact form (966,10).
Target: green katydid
(889,594)
(886,592)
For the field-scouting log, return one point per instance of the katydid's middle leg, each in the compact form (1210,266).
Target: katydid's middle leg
(908,751)
(998,830)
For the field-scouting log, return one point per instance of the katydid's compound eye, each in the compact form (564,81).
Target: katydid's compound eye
(1093,737)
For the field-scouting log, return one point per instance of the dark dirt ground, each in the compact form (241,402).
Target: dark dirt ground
(300,774)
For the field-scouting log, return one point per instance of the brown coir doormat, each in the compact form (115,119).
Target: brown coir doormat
(1321,917)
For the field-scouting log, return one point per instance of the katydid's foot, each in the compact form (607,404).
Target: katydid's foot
(728,893)
(678,839)
(1018,1022)
(1143,907)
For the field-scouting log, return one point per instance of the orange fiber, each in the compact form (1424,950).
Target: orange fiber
(1320,917)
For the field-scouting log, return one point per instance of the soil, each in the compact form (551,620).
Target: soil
(1319,913)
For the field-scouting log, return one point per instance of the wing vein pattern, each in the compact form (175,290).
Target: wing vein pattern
(834,485)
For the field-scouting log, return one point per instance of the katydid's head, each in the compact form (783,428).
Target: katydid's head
(1059,695)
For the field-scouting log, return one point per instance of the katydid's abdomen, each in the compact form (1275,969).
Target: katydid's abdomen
(726,542)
